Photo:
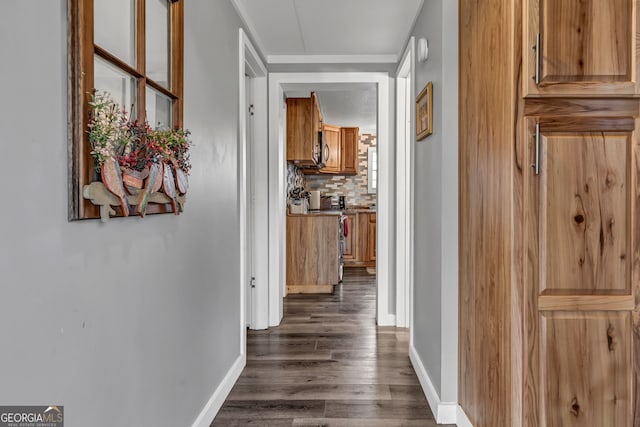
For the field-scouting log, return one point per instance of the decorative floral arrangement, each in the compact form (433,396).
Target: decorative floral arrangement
(109,130)
(135,160)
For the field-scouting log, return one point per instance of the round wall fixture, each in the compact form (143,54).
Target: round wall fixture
(423,49)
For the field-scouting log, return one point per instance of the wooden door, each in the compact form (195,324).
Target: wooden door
(301,136)
(371,245)
(581,279)
(350,139)
(350,240)
(332,140)
(586,47)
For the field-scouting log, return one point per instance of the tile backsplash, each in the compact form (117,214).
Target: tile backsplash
(354,188)
(295,178)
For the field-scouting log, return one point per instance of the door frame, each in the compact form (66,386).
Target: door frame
(250,64)
(405,148)
(277,187)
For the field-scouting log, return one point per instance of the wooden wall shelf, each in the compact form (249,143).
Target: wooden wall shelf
(97,193)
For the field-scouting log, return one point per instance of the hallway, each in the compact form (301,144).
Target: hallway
(327,364)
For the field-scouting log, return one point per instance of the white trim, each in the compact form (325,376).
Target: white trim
(444,412)
(404,186)
(332,59)
(249,63)
(386,319)
(277,172)
(251,29)
(461,418)
(218,397)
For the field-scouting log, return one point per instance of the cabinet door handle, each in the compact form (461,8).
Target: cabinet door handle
(537,48)
(536,166)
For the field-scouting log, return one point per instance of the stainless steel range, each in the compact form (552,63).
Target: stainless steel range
(344,232)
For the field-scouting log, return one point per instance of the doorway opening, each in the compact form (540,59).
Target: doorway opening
(279,84)
(338,199)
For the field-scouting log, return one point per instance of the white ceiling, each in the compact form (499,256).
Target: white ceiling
(343,104)
(330,30)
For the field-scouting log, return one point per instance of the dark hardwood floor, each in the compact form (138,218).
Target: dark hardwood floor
(328,364)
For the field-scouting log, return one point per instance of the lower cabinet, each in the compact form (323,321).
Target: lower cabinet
(360,244)
(313,253)
(349,253)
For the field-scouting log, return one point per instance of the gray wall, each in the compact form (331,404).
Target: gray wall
(133,322)
(436,202)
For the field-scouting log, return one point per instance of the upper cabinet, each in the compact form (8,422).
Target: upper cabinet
(304,125)
(349,148)
(342,147)
(332,142)
(580,48)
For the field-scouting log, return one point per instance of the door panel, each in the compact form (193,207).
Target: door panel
(587,47)
(581,273)
(350,140)
(584,209)
(349,241)
(372,237)
(332,140)
(586,375)
(586,40)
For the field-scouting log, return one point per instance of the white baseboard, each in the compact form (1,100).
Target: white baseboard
(214,404)
(444,412)
(462,419)
(386,320)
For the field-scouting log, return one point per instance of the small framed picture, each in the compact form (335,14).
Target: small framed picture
(424,112)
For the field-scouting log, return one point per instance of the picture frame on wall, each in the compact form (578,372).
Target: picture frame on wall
(424,112)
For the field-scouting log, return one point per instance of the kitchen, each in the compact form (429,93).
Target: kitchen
(331,185)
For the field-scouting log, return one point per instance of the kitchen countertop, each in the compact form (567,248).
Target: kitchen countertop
(334,212)
(317,213)
(359,210)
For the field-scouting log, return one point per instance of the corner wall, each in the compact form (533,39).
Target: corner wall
(435,297)
(136,318)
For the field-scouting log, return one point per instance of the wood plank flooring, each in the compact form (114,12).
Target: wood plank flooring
(328,364)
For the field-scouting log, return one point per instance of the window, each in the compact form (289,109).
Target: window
(132,49)
(372,169)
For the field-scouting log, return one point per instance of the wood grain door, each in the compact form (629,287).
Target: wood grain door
(586,47)
(581,275)
(350,240)
(371,245)
(350,139)
(332,140)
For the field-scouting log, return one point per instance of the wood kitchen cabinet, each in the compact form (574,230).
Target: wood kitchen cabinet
(313,253)
(332,141)
(349,254)
(361,239)
(580,282)
(581,47)
(349,139)
(342,144)
(371,238)
(304,124)
(549,235)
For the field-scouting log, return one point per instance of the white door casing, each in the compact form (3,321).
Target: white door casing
(277,186)
(405,143)
(252,146)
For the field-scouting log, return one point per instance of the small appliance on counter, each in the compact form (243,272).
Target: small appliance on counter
(341,203)
(298,201)
(314,203)
(325,203)
(299,206)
